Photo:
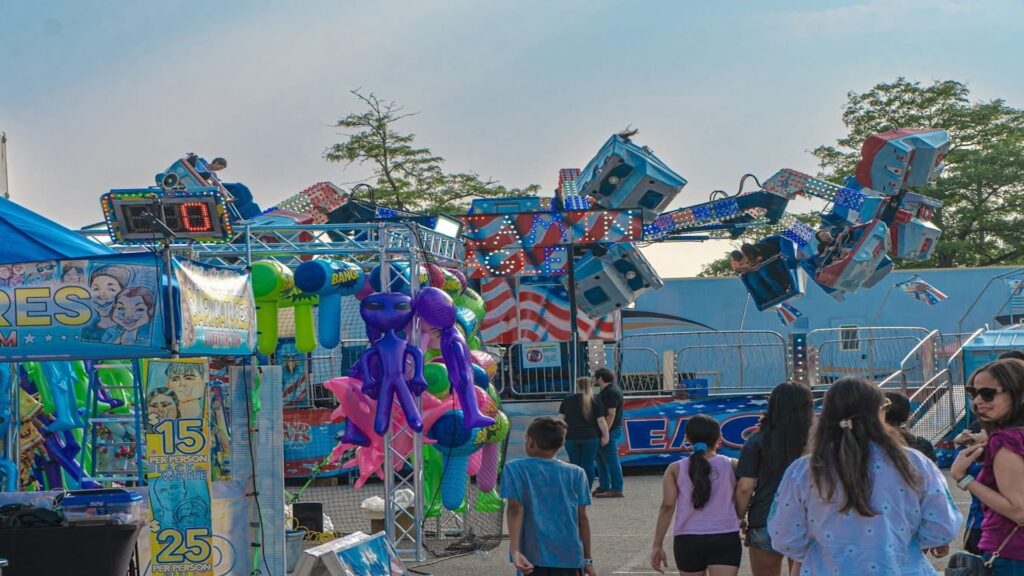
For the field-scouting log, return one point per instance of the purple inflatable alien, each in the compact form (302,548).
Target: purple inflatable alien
(384,366)
(435,307)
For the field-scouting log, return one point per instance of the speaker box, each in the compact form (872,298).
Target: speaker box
(624,176)
(613,280)
(896,159)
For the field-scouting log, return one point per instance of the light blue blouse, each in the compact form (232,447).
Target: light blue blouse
(806,528)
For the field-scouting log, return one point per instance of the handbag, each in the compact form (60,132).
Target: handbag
(967,564)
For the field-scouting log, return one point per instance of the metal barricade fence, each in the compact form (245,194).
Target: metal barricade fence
(873,353)
(702,363)
(541,381)
(644,374)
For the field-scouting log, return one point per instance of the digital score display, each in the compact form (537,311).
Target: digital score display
(146,216)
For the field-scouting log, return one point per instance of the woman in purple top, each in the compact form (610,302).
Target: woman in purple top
(997,394)
(697,493)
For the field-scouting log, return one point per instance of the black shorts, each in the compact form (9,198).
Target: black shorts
(695,552)
(541,571)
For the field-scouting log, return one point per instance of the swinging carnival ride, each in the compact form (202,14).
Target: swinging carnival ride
(408,341)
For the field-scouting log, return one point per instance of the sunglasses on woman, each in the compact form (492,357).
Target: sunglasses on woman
(987,394)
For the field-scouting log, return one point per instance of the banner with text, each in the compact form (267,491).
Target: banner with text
(101,307)
(654,429)
(218,313)
(178,448)
(309,436)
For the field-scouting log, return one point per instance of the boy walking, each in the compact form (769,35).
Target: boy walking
(549,533)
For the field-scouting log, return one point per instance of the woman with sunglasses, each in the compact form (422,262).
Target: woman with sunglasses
(861,502)
(997,398)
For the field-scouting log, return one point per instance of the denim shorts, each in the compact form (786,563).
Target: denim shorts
(759,538)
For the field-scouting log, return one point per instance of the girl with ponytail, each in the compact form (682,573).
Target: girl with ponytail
(861,502)
(697,492)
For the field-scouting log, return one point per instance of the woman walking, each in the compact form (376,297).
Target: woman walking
(697,493)
(861,502)
(587,430)
(765,457)
(997,394)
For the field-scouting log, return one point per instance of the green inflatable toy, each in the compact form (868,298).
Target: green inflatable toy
(471,300)
(271,280)
(436,376)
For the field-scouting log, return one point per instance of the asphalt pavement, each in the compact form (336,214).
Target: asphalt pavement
(621,531)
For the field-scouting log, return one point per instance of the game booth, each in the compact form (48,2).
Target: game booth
(166,375)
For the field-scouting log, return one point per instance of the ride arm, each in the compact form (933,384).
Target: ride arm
(724,214)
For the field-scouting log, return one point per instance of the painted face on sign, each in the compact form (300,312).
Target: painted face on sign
(131,312)
(5,273)
(45,271)
(169,494)
(73,275)
(188,385)
(104,289)
(161,407)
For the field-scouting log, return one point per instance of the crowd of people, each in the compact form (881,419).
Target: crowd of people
(846,491)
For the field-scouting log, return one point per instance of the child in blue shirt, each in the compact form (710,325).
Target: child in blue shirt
(549,533)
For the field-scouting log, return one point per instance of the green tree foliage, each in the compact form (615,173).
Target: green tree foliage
(982,187)
(407,177)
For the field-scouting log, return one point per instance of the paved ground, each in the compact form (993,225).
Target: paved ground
(622,531)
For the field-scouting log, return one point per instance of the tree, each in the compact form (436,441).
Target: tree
(982,186)
(407,177)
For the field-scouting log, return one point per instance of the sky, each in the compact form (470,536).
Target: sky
(101,95)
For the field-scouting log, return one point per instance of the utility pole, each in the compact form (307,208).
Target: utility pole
(4,190)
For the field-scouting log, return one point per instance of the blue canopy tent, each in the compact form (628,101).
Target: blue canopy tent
(29,237)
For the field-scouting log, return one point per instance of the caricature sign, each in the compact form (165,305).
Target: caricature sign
(103,307)
(178,447)
(217,309)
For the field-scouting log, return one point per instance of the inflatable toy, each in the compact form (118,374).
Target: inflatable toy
(271,280)
(399,278)
(436,308)
(7,466)
(329,280)
(456,443)
(302,306)
(383,365)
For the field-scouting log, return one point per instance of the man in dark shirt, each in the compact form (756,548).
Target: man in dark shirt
(609,469)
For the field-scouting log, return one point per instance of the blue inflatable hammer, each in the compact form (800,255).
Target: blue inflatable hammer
(330,280)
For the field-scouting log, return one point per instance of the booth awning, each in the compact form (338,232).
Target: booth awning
(28,237)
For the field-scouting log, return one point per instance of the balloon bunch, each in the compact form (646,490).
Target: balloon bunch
(461,414)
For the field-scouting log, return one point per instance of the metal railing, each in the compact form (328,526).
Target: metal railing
(917,368)
(646,375)
(701,363)
(942,400)
(868,352)
(539,382)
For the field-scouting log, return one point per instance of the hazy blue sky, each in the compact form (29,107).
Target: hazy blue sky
(99,95)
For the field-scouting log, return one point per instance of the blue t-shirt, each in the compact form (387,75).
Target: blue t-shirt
(551,493)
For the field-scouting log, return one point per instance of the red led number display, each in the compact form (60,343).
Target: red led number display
(195,216)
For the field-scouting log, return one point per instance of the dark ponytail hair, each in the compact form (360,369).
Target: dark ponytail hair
(841,445)
(787,426)
(703,433)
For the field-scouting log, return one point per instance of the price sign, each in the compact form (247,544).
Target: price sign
(178,454)
(145,216)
